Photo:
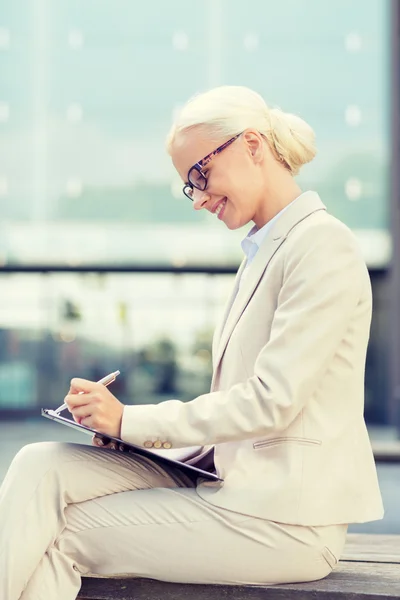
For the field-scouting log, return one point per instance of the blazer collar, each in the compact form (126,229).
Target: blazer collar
(300,209)
(303,207)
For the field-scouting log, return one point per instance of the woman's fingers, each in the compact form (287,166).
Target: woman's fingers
(96,441)
(95,407)
(103,442)
(85,386)
(79,387)
(82,412)
(74,390)
(75,400)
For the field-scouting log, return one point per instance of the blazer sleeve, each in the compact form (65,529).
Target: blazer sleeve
(325,278)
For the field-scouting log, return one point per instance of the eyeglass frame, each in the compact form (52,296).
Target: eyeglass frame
(201,164)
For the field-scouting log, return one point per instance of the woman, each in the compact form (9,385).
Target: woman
(284,415)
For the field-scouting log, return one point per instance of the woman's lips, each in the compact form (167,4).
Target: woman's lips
(221,208)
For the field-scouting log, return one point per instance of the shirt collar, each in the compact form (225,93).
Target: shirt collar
(255,237)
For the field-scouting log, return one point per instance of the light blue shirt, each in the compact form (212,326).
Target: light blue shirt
(254,239)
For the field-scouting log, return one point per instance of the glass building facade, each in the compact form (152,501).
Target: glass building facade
(88,91)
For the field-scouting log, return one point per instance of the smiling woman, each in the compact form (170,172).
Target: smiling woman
(271,147)
(282,426)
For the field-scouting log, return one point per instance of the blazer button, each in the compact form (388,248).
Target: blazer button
(157,444)
(148,444)
(167,445)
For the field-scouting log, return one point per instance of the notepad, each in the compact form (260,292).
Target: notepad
(163,457)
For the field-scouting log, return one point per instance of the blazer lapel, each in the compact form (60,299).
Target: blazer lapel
(220,326)
(243,296)
(305,205)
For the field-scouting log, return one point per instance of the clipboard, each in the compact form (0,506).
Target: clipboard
(191,471)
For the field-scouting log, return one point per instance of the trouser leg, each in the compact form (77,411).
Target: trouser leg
(42,481)
(174,535)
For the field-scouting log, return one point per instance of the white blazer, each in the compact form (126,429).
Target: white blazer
(285,410)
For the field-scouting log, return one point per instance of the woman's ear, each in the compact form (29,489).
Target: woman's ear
(255,144)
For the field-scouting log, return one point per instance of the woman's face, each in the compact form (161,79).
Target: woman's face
(236,189)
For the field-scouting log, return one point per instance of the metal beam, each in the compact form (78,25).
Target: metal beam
(394,334)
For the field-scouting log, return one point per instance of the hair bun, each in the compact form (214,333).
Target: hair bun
(292,139)
(224,111)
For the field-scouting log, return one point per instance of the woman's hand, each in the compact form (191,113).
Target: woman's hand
(102,442)
(93,405)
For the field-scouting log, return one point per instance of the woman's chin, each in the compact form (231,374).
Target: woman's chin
(233,224)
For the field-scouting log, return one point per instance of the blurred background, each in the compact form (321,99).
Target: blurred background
(104,265)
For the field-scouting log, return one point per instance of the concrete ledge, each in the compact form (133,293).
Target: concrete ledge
(349,581)
(369,570)
(386,452)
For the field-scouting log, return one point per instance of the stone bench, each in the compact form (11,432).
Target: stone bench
(368,570)
(386,451)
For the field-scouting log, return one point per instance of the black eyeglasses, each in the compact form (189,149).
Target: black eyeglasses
(196,177)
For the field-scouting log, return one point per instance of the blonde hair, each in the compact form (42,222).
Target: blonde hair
(227,110)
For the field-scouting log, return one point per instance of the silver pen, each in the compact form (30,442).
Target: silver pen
(105,381)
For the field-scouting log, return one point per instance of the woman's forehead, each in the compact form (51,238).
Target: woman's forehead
(188,148)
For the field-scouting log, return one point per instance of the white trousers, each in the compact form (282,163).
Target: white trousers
(71,509)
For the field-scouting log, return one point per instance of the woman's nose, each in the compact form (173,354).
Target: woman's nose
(200,199)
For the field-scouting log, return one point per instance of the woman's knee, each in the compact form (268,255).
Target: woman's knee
(42,455)
(33,454)
(72,541)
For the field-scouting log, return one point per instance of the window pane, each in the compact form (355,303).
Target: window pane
(86,103)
